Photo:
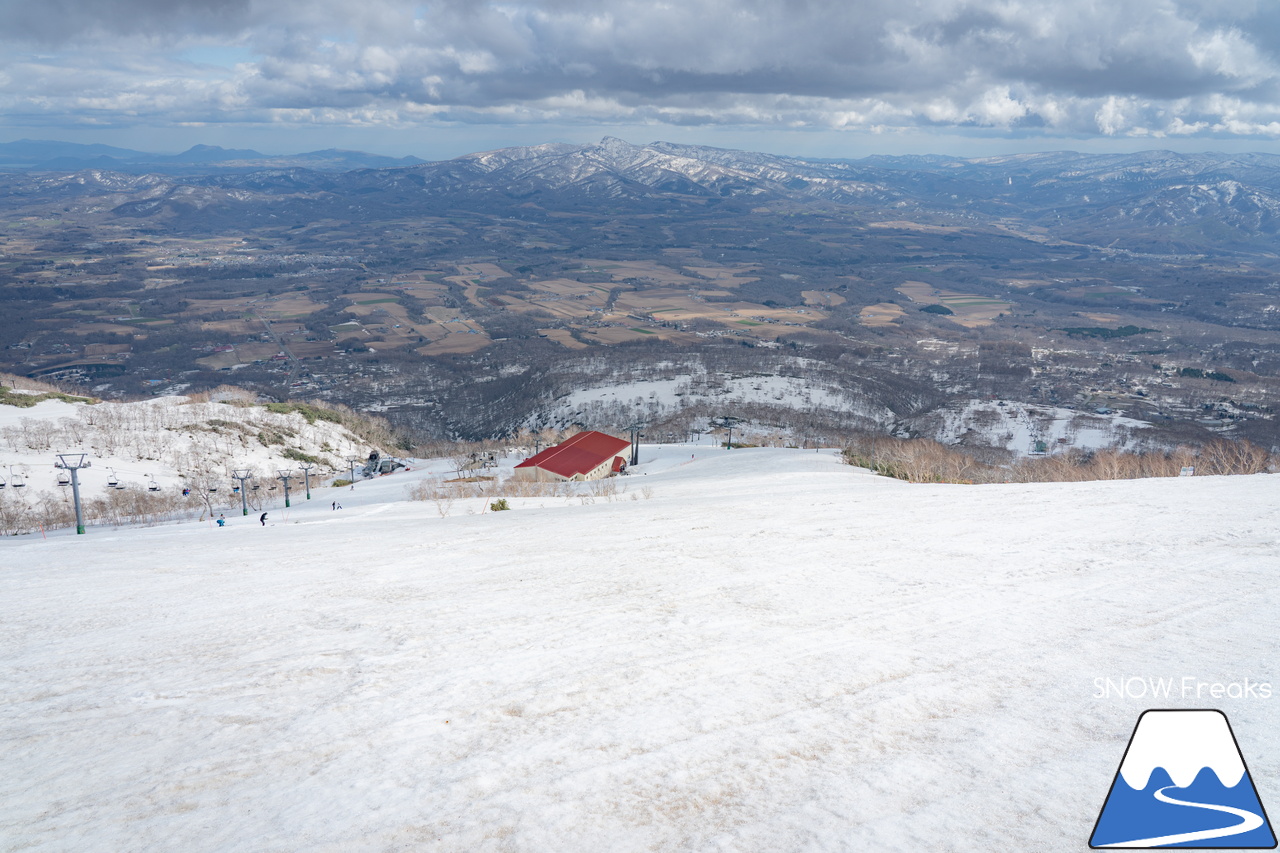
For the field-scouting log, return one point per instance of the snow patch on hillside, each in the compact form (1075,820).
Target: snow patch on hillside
(648,399)
(1021,427)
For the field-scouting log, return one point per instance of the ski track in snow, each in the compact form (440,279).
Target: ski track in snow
(773,652)
(1248,822)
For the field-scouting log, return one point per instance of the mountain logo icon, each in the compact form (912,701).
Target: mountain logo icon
(1183,783)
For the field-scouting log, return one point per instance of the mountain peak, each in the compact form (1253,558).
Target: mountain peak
(215,154)
(614,145)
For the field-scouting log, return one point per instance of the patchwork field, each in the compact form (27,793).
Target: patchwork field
(562,337)
(1103,319)
(231,327)
(607,335)
(456,343)
(289,307)
(101,328)
(482,271)
(650,271)
(242,354)
(565,288)
(970,310)
(726,276)
(1106,293)
(159,283)
(427,291)
(822,298)
(880,314)
(201,307)
(905,225)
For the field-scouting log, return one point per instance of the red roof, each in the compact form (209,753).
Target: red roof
(579,454)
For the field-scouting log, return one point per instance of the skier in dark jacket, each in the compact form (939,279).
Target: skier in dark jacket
(263,519)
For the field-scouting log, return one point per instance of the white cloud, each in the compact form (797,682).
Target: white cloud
(1064,68)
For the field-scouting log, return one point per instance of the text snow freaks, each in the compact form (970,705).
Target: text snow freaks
(1186,687)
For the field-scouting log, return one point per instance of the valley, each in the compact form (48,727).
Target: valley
(463,299)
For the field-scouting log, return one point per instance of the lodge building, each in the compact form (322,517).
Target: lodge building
(586,456)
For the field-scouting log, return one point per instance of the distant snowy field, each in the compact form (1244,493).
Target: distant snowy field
(750,650)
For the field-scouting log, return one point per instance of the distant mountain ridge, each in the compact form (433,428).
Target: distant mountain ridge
(1153,201)
(45,155)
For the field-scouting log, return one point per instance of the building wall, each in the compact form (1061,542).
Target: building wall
(537,475)
(604,470)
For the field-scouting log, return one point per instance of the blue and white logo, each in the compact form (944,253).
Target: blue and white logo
(1183,783)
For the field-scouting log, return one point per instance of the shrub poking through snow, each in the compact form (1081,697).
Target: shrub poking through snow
(920,460)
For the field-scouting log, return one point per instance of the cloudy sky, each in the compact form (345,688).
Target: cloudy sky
(438,78)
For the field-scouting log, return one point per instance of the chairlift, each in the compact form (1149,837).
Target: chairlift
(213,488)
(153,486)
(18,481)
(3,483)
(254,487)
(114,481)
(64,479)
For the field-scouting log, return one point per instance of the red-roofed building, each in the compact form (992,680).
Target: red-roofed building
(586,456)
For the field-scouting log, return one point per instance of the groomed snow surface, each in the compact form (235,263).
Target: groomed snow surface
(750,650)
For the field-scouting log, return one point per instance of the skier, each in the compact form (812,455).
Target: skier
(335,504)
(263,519)
(222,521)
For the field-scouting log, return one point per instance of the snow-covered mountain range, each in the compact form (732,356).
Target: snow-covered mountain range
(1073,195)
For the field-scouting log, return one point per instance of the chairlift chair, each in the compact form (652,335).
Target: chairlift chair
(114,481)
(153,486)
(64,479)
(3,483)
(18,481)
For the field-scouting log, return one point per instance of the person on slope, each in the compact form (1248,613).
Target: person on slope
(263,518)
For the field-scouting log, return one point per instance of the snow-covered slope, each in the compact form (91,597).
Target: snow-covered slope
(747,650)
(600,406)
(168,442)
(1022,427)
